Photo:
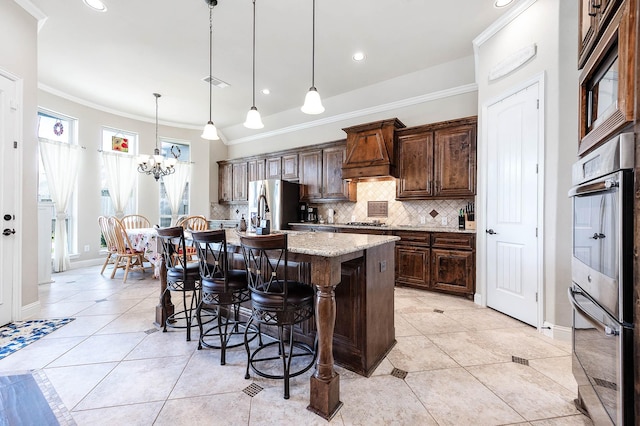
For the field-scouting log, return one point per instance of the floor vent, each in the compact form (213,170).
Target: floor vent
(151,331)
(252,390)
(438,311)
(400,374)
(519,360)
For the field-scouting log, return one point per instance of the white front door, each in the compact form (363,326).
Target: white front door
(8,158)
(511,216)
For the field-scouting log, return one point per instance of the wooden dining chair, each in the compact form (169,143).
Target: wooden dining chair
(127,257)
(194,223)
(135,221)
(103,222)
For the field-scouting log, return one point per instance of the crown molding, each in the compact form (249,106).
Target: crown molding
(34,11)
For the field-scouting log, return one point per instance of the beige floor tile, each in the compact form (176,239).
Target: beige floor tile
(137,292)
(130,415)
(97,349)
(532,394)
(133,382)
(418,354)
(520,342)
(429,323)
(403,328)
(109,307)
(454,397)
(73,383)
(83,326)
(557,369)
(130,322)
(39,354)
(469,348)
(62,309)
(91,295)
(382,400)
(482,319)
(158,344)
(579,420)
(224,409)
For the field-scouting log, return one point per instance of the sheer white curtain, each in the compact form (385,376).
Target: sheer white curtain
(121,177)
(174,185)
(60,162)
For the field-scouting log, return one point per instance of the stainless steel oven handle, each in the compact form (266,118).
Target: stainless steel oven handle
(608,331)
(591,188)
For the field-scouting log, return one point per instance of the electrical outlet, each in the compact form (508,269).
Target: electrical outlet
(353,218)
(87,248)
(444,220)
(423,220)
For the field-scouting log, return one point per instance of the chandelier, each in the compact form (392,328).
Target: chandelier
(158,165)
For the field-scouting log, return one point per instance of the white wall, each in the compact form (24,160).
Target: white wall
(18,56)
(90,121)
(552,26)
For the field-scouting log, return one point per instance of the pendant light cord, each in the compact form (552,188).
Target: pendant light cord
(210,58)
(313,47)
(157,95)
(254,55)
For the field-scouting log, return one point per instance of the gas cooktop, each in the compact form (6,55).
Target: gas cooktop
(365,224)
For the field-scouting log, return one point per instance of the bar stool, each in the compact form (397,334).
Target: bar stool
(182,276)
(222,292)
(276,301)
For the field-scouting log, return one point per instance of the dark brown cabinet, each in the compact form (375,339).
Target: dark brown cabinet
(239,182)
(413,254)
(290,167)
(273,168)
(594,16)
(437,161)
(232,182)
(225,179)
(321,175)
(255,169)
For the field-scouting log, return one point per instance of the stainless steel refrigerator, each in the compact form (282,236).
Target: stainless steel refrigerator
(281,206)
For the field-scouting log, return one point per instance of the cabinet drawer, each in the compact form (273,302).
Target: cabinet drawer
(420,238)
(453,240)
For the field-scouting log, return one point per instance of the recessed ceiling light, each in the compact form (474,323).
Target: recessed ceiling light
(266,91)
(502,3)
(358,56)
(96,5)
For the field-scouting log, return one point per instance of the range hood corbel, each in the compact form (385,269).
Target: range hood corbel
(371,150)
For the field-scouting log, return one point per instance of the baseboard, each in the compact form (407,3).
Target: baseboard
(29,311)
(556,332)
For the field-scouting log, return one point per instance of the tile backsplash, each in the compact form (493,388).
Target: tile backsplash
(399,212)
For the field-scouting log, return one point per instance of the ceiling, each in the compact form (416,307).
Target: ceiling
(116,60)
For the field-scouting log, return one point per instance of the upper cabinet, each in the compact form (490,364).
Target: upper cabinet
(232,181)
(594,17)
(283,167)
(370,149)
(255,169)
(321,175)
(437,161)
(607,82)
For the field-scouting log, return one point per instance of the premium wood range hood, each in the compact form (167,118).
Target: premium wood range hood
(370,150)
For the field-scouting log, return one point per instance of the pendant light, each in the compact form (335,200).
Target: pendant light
(253,120)
(312,102)
(157,165)
(210,132)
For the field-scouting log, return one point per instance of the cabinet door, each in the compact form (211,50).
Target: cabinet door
(311,175)
(415,166)
(333,186)
(239,179)
(225,179)
(290,167)
(452,271)
(454,157)
(255,170)
(274,168)
(587,24)
(412,266)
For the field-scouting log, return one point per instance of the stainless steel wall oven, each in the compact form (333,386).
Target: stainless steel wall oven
(602,273)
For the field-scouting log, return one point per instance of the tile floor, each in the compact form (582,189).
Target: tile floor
(110,366)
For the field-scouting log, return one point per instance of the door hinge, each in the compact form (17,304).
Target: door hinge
(536,297)
(537,103)
(536,169)
(15,144)
(536,232)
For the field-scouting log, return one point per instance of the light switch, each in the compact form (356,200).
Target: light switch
(383,265)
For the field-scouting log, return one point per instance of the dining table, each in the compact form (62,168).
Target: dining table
(146,241)
(324,254)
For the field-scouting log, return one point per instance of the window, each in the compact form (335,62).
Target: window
(183,151)
(58,127)
(121,141)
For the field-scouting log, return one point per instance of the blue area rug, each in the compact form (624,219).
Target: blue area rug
(19,334)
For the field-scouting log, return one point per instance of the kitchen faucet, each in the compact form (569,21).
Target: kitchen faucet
(263,207)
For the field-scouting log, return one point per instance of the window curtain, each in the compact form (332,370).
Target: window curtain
(61,162)
(174,185)
(121,177)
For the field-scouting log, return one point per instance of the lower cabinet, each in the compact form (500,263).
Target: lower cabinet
(453,271)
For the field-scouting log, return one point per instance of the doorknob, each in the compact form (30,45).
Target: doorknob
(8,231)
(491,232)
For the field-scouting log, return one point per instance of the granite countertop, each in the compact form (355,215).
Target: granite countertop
(325,244)
(422,228)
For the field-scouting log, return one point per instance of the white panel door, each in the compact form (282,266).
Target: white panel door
(512,190)
(8,158)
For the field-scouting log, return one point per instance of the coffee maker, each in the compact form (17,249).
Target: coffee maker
(302,212)
(312,214)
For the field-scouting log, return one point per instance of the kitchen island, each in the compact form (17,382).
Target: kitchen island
(354,312)
(354,280)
